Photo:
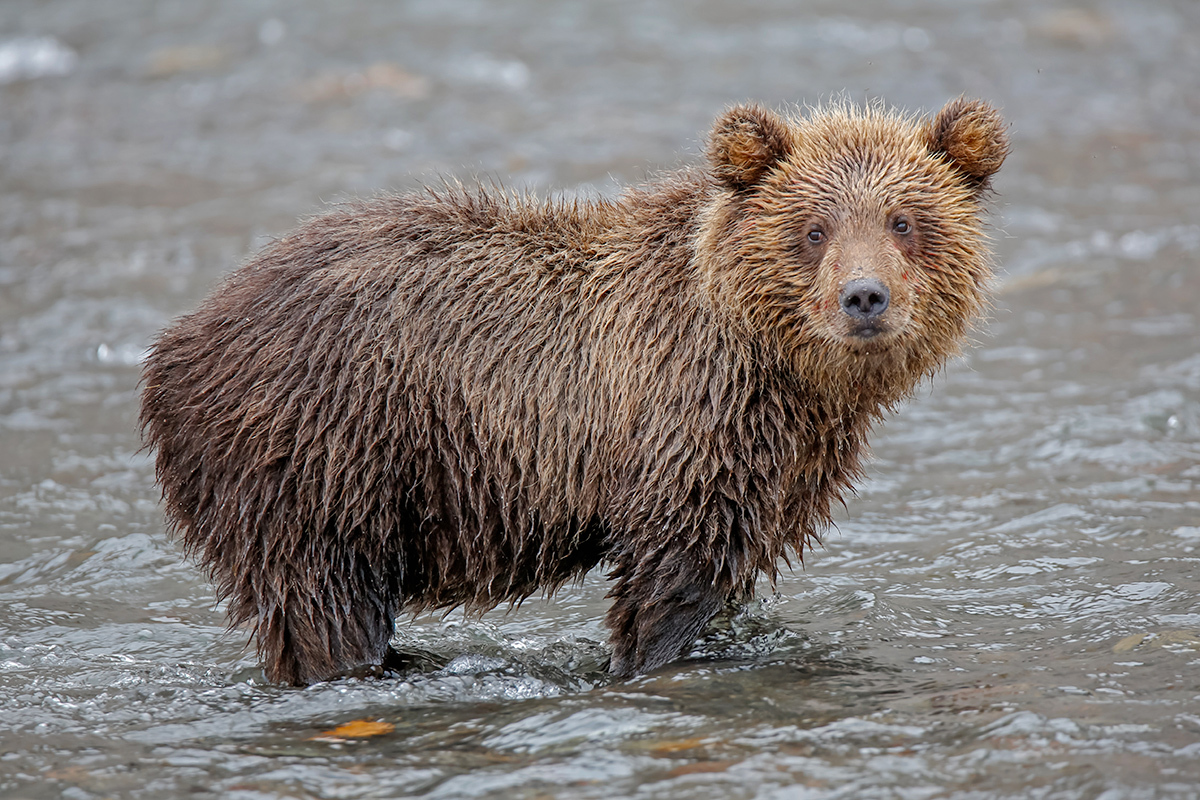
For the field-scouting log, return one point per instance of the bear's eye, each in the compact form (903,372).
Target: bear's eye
(816,236)
(901,225)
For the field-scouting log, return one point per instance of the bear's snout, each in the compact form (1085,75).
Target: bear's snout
(864,299)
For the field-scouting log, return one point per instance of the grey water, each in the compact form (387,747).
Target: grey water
(1009,608)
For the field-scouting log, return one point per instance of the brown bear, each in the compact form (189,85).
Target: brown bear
(461,397)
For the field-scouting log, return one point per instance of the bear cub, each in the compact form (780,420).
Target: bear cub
(462,397)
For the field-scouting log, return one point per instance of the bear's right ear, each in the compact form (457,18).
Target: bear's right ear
(746,142)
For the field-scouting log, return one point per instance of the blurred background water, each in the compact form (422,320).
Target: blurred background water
(1010,608)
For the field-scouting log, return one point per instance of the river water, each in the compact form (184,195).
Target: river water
(1011,606)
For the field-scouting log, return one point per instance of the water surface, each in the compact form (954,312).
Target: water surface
(1009,608)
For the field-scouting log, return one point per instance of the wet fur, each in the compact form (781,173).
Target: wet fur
(464,397)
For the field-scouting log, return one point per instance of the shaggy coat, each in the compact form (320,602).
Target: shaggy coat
(462,397)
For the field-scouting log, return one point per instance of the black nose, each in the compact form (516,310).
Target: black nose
(864,298)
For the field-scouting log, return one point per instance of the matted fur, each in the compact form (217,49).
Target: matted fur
(464,397)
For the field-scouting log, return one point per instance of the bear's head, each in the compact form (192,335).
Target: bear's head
(850,244)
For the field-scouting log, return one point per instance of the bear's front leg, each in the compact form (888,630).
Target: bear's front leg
(658,611)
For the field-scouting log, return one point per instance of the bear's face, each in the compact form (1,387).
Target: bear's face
(854,234)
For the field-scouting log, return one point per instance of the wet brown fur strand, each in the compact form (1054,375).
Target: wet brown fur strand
(463,397)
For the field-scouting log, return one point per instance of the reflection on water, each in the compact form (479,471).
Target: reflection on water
(1010,608)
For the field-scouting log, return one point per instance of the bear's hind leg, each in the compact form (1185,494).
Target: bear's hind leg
(310,632)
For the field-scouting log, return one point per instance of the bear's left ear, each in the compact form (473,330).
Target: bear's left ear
(971,134)
(745,143)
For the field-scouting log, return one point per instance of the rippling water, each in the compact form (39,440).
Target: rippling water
(1010,608)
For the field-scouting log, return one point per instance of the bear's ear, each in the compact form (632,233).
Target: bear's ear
(971,134)
(746,142)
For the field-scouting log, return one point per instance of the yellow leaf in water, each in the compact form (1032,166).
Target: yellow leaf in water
(171,61)
(1127,644)
(677,746)
(356,729)
(1170,640)
(1181,639)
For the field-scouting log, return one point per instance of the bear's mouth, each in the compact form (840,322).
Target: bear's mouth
(865,331)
